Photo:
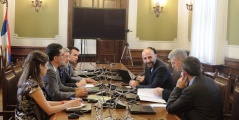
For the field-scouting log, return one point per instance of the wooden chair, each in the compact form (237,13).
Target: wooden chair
(17,70)
(9,94)
(235,103)
(222,70)
(234,80)
(224,87)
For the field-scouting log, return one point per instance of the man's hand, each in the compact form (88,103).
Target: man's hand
(133,83)
(89,80)
(81,92)
(182,82)
(158,91)
(140,78)
(81,83)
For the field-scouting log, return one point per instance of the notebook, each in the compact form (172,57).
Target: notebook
(139,109)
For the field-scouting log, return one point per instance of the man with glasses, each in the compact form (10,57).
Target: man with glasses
(53,86)
(176,56)
(64,73)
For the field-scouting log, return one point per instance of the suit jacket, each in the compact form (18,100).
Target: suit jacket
(66,79)
(159,77)
(53,86)
(199,101)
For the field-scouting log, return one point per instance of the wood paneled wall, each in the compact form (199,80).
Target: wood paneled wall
(18,52)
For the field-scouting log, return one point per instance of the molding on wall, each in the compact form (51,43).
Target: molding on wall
(28,41)
(232,51)
(24,41)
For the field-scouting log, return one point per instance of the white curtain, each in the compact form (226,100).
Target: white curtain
(208,42)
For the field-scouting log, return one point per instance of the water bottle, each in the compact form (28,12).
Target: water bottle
(99,109)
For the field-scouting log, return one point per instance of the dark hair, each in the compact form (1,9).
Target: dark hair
(73,48)
(192,66)
(31,67)
(153,49)
(53,50)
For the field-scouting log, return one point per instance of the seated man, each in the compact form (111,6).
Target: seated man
(157,73)
(64,74)
(195,96)
(176,56)
(73,72)
(53,86)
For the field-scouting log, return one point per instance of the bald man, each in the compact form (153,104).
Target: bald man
(157,73)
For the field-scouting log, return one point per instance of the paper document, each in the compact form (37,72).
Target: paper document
(77,107)
(89,85)
(157,105)
(147,94)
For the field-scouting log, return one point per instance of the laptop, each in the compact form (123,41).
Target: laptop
(125,77)
(139,109)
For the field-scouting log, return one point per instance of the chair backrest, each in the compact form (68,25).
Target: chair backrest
(223,84)
(17,70)
(235,103)
(9,89)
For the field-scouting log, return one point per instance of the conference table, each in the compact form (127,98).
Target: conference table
(117,114)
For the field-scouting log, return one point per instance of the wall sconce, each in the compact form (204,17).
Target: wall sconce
(3,1)
(37,4)
(158,6)
(189,5)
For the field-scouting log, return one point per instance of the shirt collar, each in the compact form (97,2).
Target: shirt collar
(191,81)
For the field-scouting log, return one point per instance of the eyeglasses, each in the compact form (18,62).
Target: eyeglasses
(62,56)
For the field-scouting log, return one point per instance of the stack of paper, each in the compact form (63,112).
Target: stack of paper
(147,94)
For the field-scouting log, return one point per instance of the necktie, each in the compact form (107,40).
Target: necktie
(69,70)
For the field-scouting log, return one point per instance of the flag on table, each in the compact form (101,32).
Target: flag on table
(5,40)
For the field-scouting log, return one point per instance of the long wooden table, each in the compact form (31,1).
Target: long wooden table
(161,113)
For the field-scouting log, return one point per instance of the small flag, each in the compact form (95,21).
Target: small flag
(5,40)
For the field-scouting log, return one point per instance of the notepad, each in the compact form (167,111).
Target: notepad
(76,108)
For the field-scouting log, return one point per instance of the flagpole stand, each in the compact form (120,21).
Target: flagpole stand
(127,53)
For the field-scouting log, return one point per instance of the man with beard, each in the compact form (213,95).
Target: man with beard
(157,73)
(64,74)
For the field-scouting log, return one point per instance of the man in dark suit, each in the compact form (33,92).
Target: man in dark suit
(66,79)
(73,61)
(53,86)
(195,96)
(176,56)
(157,73)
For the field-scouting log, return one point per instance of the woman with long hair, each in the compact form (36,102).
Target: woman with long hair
(31,101)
